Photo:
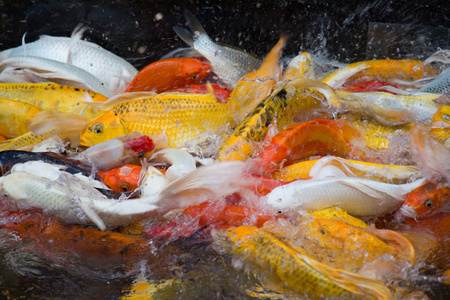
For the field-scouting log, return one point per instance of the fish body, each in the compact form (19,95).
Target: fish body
(354,168)
(359,197)
(440,85)
(114,71)
(25,140)
(283,269)
(390,109)
(221,92)
(257,85)
(15,117)
(53,96)
(368,86)
(58,71)
(170,73)
(384,69)
(302,140)
(228,63)
(301,66)
(180,116)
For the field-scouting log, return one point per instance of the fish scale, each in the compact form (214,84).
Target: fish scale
(291,271)
(180,116)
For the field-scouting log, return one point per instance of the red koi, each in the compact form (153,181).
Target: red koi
(170,73)
(427,200)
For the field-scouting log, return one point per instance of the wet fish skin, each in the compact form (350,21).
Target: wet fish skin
(53,96)
(359,197)
(15,117)
(228,63)
(439,85)
(116,72)
(56,70)
(285,270)
(180,116)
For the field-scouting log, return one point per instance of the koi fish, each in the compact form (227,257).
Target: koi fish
(358,196)
(15,117)
(228,63)
(301,66)
(58,72)
(302,140)
(257,85)
(115,72)
(292,272)
(286,101)
(180,116)
(426,200)
(170,73)
(384,69)
(71,200)
(52,96)
(390,109)
(122,179)
(222,93)
(354,168)
(439,85)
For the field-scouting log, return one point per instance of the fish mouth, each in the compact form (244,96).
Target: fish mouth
(85,141)
(408,211)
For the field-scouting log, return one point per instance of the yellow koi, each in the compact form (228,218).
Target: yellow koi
(255,86)
(15,117)
(354,168)
(383,69)
(301,66)
(52,96)
(180,116)
(282,268)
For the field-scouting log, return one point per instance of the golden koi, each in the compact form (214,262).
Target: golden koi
(52,96)
(293,272)
(180,116)
(15,117)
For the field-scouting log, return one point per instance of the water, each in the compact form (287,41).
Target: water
(141,31)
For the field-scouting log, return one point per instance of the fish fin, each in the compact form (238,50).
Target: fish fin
(365,188)
(388,88)
(329,93)
(194,23)
(207,183)
(24,44)
(77,34)
(443,99)
(354,283)
(66,125)
(85,206)
(405,250)
(121,98)
(326,168)
(185,34)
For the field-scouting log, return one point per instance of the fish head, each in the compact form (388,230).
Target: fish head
(103,129)
(428,199)
(193,69)
(122,179)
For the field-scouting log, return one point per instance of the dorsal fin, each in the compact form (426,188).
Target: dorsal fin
(24,44)
(76,36)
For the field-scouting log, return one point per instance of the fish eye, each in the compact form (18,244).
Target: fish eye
(446,117)
(195,76)
(428,202)
(97,128)
(124,187)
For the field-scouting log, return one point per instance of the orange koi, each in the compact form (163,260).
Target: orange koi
(221,92)
(169,73)
(91,246)
(427,200)
(122,179)
(369,86)
(302,140)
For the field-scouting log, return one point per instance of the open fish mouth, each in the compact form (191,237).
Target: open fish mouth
(408,211)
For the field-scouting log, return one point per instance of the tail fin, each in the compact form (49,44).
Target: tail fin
(194,23)
(189,36)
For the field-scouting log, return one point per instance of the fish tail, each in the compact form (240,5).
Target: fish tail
(185,34)
(194,23)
